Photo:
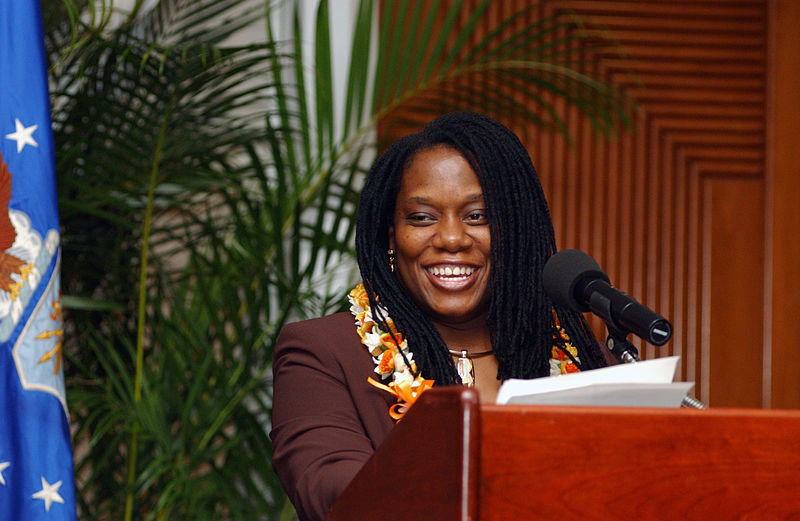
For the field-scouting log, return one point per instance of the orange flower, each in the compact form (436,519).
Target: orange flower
(392,327)
(386,364)
(386,340)
(359,294)
(569,367)
(365,328)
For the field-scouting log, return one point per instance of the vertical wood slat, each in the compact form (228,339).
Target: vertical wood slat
(735,374)
(782,284)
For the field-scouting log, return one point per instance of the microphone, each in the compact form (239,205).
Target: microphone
(572,279)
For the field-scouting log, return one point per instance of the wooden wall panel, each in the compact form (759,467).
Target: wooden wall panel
(782,283)
(695,211)
(675,210)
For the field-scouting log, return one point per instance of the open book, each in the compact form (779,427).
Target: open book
(641,384)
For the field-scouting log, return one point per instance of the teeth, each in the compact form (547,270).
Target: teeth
(451,271)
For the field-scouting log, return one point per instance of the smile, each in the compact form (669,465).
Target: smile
(455,272)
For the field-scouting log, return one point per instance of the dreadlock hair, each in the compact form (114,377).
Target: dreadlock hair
(521,317)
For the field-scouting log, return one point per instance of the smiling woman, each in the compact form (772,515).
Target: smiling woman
(442,244)
(452,235)
(441,238)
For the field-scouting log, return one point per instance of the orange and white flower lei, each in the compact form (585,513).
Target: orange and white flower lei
(389,363)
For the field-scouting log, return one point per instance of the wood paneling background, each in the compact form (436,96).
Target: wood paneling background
(782,278)
(694,212)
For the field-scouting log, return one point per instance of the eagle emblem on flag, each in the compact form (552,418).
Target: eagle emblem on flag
(24,258)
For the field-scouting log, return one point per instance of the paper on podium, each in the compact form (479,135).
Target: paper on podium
(642,384)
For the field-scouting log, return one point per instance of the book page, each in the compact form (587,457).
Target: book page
(646,383)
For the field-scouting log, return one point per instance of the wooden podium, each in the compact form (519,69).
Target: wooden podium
(453,459)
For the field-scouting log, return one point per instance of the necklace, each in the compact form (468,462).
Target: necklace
(397,366)
(464,366)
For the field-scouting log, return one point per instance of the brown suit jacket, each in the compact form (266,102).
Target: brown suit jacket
(326,420)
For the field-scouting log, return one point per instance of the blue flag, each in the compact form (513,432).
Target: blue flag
(36,473)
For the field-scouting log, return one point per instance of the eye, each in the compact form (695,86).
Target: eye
(477,217)
(420,219)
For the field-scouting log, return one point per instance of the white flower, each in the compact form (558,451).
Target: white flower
(405,376)
(368,316)
(399,364)
(373,342)
(355,310)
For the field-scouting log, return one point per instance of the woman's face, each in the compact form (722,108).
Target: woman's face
(441,237)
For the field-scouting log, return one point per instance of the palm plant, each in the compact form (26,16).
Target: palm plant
(207,196)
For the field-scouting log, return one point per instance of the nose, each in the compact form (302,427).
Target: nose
(452,234)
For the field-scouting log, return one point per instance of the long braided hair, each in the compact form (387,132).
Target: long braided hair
(521,317)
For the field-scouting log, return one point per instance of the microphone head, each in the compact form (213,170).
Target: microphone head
(565,275)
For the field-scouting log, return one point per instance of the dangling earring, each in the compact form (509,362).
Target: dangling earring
(390,253)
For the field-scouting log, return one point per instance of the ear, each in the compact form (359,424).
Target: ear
(391,236)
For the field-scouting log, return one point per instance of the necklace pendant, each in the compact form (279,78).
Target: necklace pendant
(465,369)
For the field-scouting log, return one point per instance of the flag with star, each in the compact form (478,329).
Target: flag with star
(36,472)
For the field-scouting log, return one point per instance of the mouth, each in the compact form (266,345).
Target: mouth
(451,276)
